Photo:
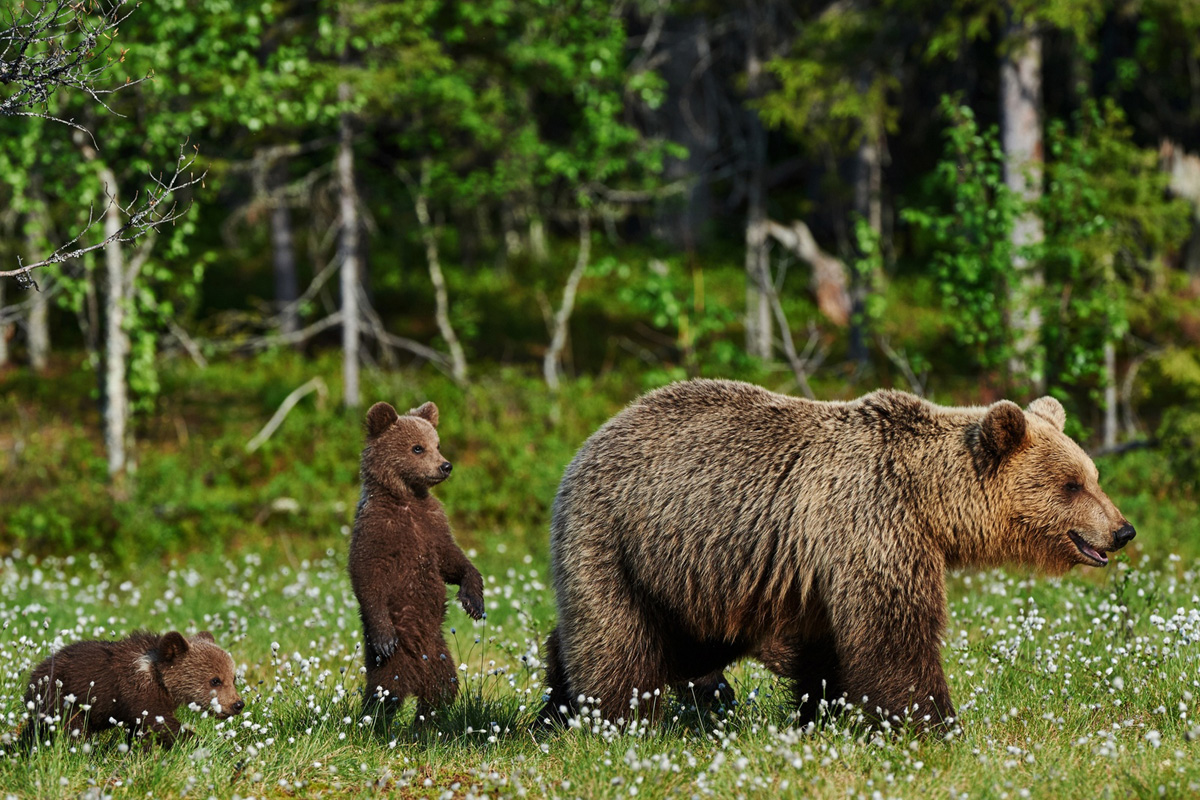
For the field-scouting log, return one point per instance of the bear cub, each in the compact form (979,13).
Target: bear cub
(134,683)
(402,555)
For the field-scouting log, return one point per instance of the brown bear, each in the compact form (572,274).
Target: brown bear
(712,520)
(402,555)
(134,683)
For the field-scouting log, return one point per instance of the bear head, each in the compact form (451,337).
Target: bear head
(1047,494)
(402,450)
(196,670)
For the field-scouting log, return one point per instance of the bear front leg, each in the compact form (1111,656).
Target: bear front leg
(163,729)
(459,571)
(381,634)
(887,626)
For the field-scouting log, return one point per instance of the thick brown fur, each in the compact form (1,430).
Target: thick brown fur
(135,683)
(712,520)
(402,555)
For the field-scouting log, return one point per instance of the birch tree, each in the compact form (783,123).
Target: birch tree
(1021,137)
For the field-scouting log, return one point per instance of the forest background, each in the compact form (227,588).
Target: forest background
(531,211)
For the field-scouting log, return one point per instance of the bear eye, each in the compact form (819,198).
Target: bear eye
(418,449)
(215,682)
(1073,487)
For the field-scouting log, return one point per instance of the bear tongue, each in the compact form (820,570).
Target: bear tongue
(1088,550)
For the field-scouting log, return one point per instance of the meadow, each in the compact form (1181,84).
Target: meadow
(1082,686)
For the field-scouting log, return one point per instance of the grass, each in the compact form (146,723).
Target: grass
(1086,686)
(1080,687)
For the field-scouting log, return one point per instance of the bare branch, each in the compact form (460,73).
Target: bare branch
(917,383)
(313,385)
(58,44)
(156,210)
(563,315)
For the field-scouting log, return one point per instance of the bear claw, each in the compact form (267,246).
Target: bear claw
(472,605)
(384,650)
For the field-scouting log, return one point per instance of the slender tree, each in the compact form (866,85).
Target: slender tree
(1021,137)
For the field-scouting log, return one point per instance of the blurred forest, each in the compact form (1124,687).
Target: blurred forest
(559,199)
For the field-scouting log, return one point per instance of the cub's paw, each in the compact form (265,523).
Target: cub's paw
(383,650)
(472,604)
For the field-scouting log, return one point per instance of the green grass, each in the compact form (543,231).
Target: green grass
(1084,686)
(1081,687)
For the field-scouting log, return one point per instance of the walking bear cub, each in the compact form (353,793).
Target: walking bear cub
(402,555)
(135,683)
(711,520)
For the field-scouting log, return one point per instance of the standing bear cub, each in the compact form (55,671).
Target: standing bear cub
(712,520)
(402,555)
(135,683)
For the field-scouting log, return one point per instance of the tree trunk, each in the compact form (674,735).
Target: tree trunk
(348,247)
(1021,137)
(458,361)
(759,327)
(868,204)
(4,328)
(38,321)
(116,338)
(1110,394)
(283,251)
(558,338)
(691,120)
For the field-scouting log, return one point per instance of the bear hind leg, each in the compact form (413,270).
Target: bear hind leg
(560,704)
(813,670)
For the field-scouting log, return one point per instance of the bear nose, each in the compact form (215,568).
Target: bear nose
(1124,534)
(446,467)
(238,706)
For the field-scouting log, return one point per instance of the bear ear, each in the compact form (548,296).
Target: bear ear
(380,418)
(205,636)
(171,646)
(426,411)
(1002,429)
(1050,410)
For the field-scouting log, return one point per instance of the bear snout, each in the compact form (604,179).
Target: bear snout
(1124,535)
(445,469)
(238,706)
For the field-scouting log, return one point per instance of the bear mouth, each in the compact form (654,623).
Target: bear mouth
(1093,555)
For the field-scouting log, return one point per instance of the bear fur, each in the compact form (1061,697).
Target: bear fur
(402,555)
(711,520)
(135,683)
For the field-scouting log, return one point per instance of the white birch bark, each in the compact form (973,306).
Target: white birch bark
(558,338)
(348,246)
(759,327)
(116,338)
(1021,137)
(38,321)
(1110,394)
(458,361)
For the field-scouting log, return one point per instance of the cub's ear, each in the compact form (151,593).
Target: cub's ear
(426,411)
(380,418)
(1002,429)
(205,636)
(171,646)
(1050,410)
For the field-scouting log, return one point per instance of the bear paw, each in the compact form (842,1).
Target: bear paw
(384,649)
(472,604)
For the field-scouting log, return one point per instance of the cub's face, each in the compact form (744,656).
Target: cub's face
(402,451)
(197,671)
(1056,513)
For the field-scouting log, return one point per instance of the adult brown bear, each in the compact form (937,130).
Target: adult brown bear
(713,519)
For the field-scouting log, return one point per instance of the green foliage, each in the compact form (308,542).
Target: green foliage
(972,238)
(673,299)
(835,88)
(1176,374)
